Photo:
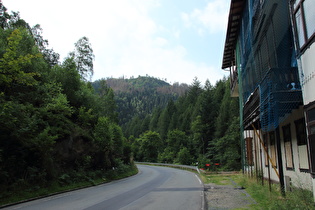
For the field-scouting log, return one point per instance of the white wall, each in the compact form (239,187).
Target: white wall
(307,74)
(300,155)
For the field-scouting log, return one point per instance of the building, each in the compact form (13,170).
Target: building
(261,54)
(303,22)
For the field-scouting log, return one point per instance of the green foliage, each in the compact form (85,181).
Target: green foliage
(13,61)
(200,126)
(102,134)
(54,127)
(137,98)
(298,198)
(150,145)
(107,103)
(83,57)
(184,157)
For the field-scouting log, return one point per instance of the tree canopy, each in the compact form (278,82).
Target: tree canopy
(54,126)
(199,126)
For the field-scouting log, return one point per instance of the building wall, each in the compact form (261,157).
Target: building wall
(295,157)
(299,176)
(265,45)
(307,74)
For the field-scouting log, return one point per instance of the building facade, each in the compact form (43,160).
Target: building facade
(265,62)
(303,27)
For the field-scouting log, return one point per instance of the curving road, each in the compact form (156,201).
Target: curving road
(152,188)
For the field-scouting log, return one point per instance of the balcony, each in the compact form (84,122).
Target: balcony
(251,111)
(280,93)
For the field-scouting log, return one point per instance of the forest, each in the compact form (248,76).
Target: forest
(54,128)
(198,126)
(139,96)
(58,127)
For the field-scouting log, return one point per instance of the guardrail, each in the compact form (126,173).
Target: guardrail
(195,168)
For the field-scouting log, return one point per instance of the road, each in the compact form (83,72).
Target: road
(152,188)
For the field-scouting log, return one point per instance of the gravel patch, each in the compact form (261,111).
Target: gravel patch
(219,197)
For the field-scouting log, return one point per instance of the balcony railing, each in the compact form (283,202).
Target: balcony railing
(280,93)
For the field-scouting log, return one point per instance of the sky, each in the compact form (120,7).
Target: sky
(174,40)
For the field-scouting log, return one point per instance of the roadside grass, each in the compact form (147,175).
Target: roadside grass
(56,187)
(296,199)
(220,179)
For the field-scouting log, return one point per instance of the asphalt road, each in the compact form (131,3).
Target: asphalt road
(153,188)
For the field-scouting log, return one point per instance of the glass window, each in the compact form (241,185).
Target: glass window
(311,115)
(272,138)
(273,153)
(288,146)
(296,3)
(266,148)
(300,132)
(312,129)
(299,27)
(309,11)
(286,133)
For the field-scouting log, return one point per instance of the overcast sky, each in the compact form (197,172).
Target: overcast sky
(175,40)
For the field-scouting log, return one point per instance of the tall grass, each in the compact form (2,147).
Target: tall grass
(296,199)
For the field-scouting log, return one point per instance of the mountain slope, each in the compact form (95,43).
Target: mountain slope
(140,96)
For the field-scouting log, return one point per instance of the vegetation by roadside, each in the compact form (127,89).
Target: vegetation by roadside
(295,199)
(67,183)
(298,198)
(220,178)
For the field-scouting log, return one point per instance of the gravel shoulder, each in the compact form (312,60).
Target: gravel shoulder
(227,197)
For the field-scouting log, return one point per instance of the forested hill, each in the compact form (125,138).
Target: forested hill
(138,97)
(200,126)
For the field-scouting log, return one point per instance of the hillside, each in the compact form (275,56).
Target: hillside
(140,96)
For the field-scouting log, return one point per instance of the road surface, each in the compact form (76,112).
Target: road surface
(153,188)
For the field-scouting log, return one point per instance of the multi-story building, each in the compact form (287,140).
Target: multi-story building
(303,22)
(264,64)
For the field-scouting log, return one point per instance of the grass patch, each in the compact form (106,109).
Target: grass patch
(296,199)
(220,179)
(64,184)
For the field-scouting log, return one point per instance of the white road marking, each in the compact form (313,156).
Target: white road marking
(198,179)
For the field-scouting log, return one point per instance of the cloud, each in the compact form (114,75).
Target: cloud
(212,19)
(126,40)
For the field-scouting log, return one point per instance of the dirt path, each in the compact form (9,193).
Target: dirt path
(221,197)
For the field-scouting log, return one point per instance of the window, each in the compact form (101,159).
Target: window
(299,28)
(300,129)
(311,138)
(309,8)
(249,151)
(288,146)
(304,21)
(301,137)
(273,154)
(266,147)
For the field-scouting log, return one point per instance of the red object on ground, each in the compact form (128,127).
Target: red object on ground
(217,164)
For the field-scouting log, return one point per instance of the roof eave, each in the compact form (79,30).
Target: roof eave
(235,17)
